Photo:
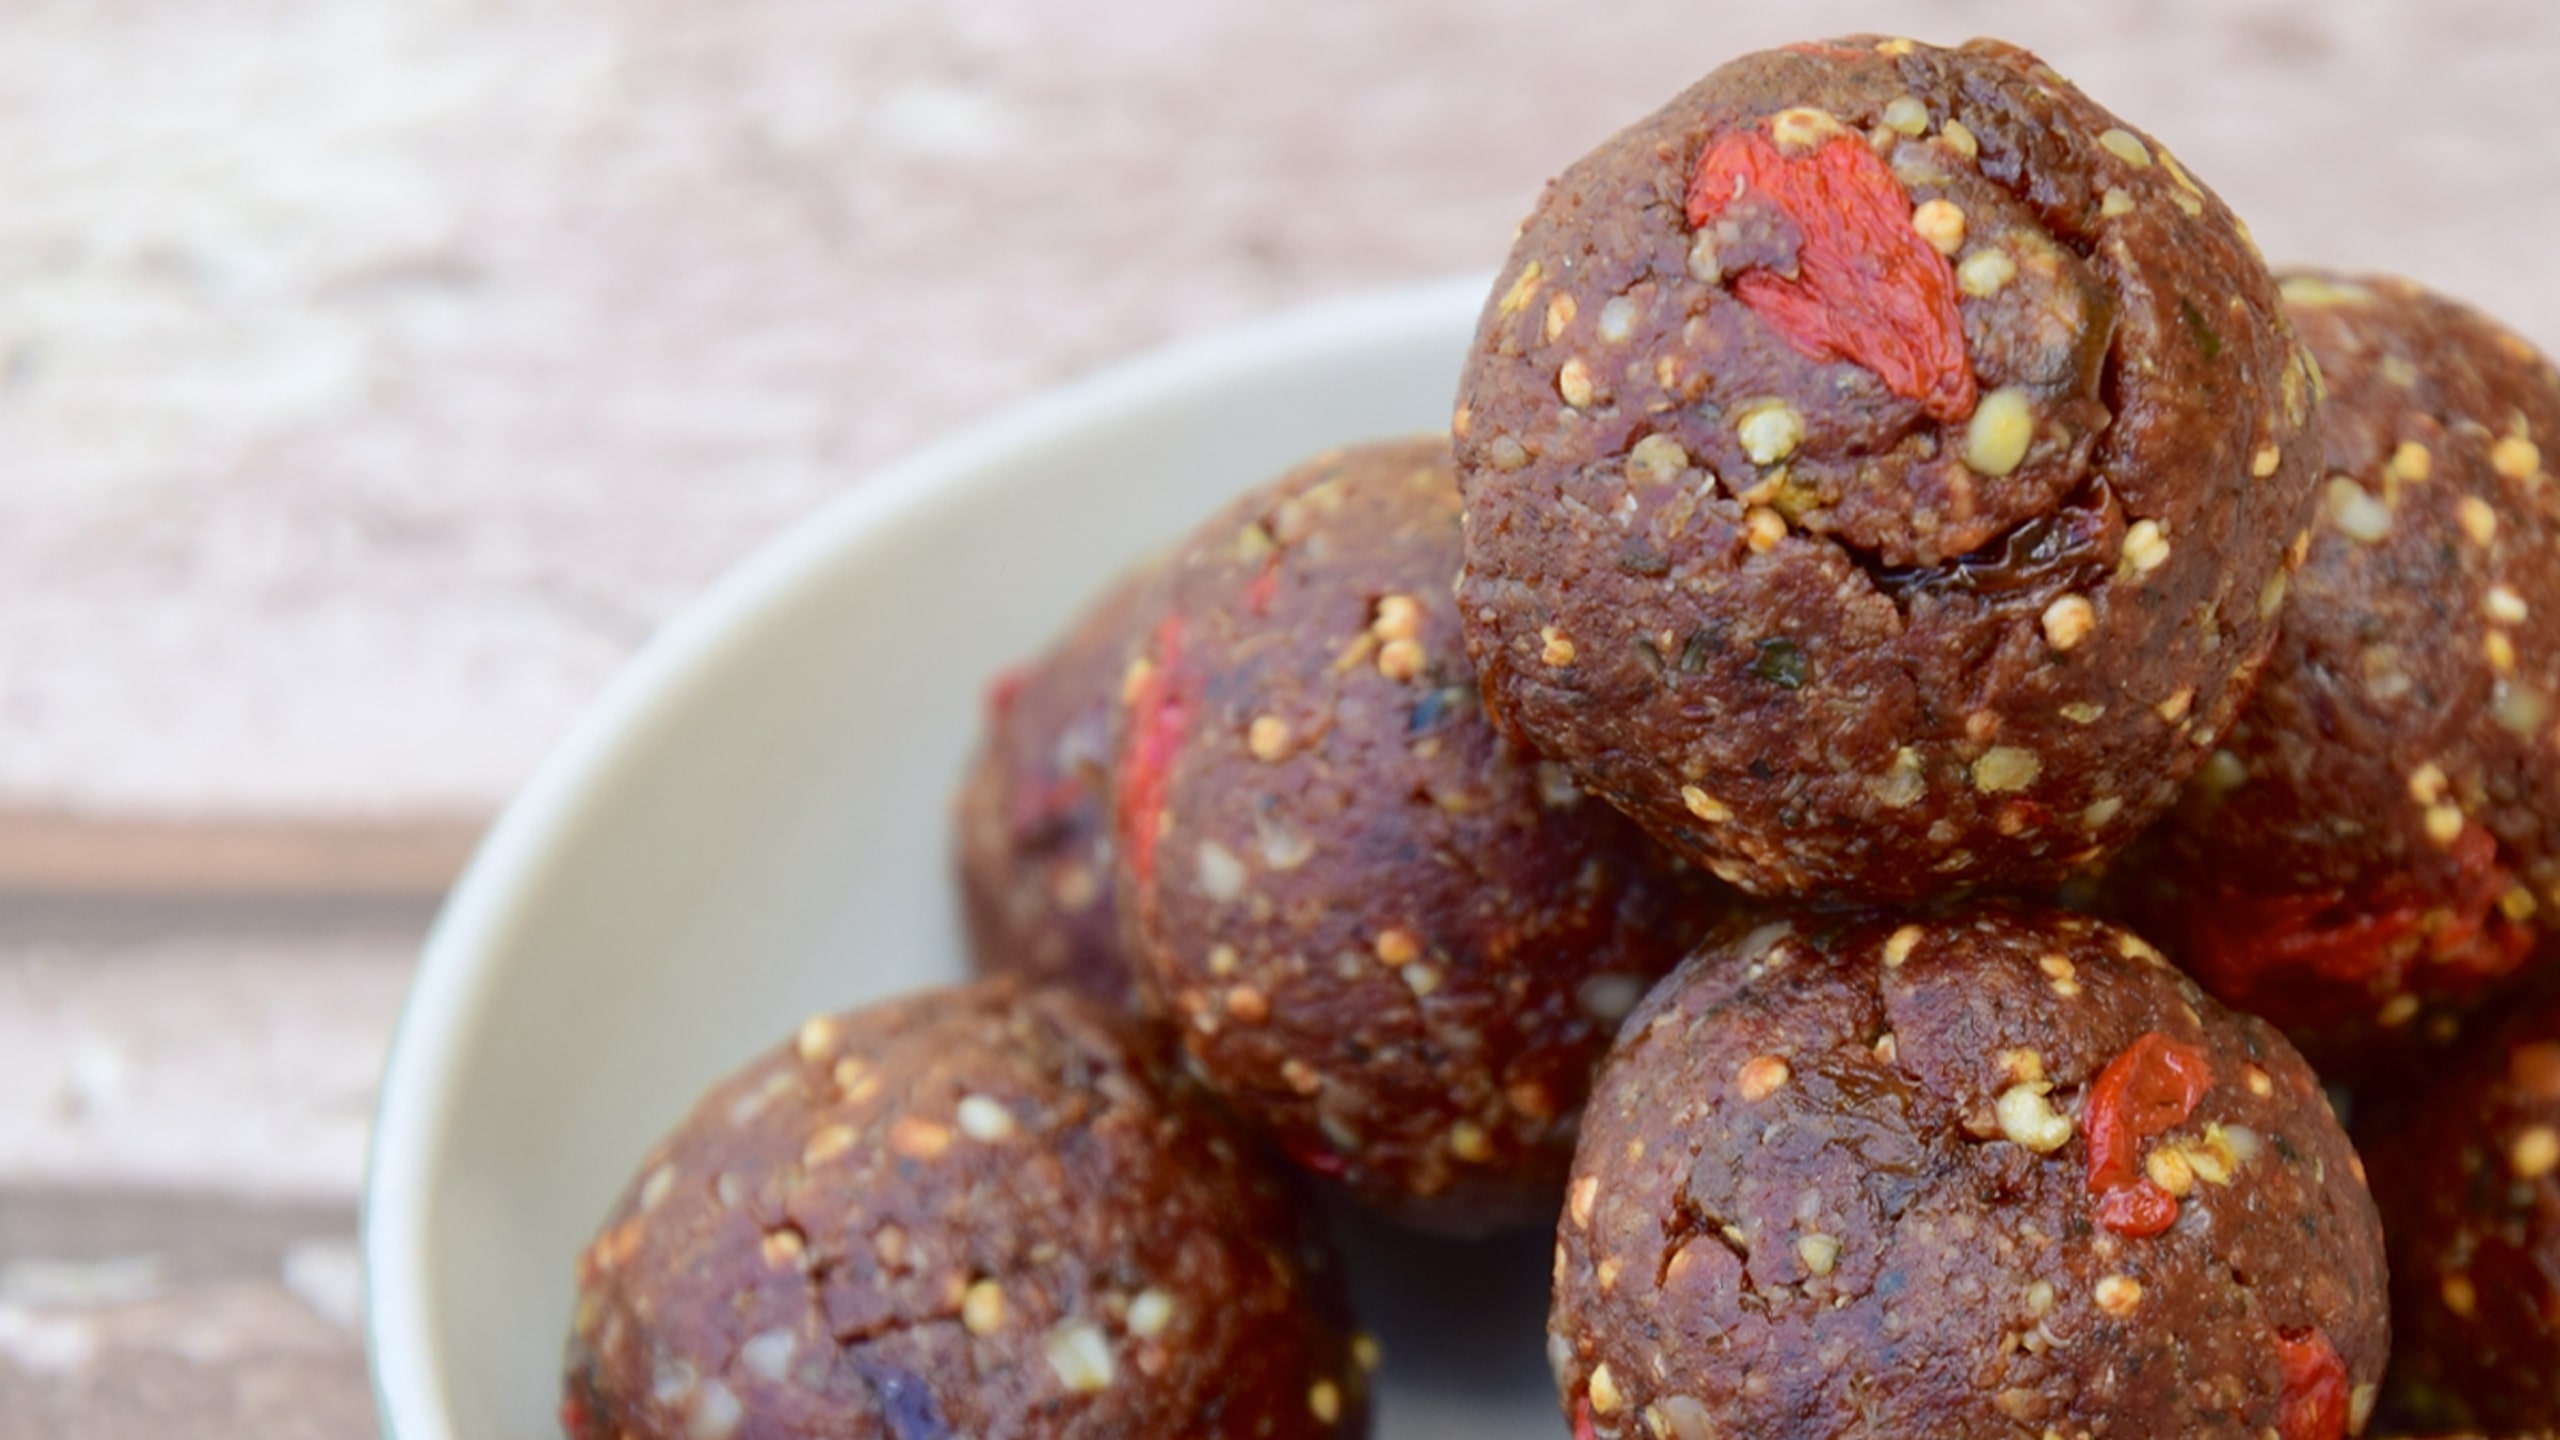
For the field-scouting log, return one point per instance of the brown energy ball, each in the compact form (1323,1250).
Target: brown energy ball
(1879,467)
(2468,1174)
(2376,844)
(1973,1173)
(1034,813)
(1388,936)
(985,1211)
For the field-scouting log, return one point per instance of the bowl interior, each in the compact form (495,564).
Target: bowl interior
(752,825)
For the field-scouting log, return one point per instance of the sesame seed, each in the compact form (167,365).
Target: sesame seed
(1903,785)
(2477,520)
(817,1038)
(982,1308)
(1149,1313)
(1399,617)
(1658,458)
(2460,1295)
(2398,1011)
(2127,147)
(2504,605)
(2119,1295)
(1897,47)
(2057,967)
(1941,223)
(1573,382)
(2099,812)
(1986,272)
(1899,945)
(2536,1153)
(2501,651)
(1959,139)
(2029,1120)
(2271,597)
(1617,319)
(2005,768)
(1523,286)
(1906,114)
(2175,708)
(1770,431)
(1324,1401)
(1400,660)
(1267,738)
(918,1138)
(2168,1169)
(985,1118)
(1763,528)
(1419,978)
(2444,823)
(1705,806)
(1555,647)
(2426,783)
(654,1191)
(2068,621)
(1080,1356)
(2516,458)
(2356,513)
(1604,1395)
(2263,463)
(1703,264)
(1507,453)
(1560,311)
(1996,438)
(1820,1253)
(2411,462)
(1762,1076)
(1803,127)
(1579,1200)
(2116,201)
(2260,1083)
(2146,546)
(781,1248)
(826,1145)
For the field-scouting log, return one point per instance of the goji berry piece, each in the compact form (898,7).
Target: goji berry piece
(1582,1421)
(1265,584)
(2315,956)
(1158,716)
(2317,1402)
(2148,1090)
(1866,288)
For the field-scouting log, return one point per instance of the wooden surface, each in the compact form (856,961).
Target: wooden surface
(374,377)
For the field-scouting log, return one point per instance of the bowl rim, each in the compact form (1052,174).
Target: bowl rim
(412,1112)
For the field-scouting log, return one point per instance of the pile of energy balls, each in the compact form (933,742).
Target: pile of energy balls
(1975,729)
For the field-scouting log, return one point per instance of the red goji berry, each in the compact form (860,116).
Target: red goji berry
(1582,1421)
(1867,288)
(1265,584)
(1158,715)
(2316,1404)
(2148,1090)
(2317,956)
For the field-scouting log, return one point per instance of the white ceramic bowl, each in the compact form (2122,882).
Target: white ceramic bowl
(751,825)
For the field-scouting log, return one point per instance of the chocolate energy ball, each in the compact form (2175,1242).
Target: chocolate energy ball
(1985,1173)
(986,1211)
(2468,1175)
(1880,465)
(1389,936)
(1034,813)
(2376,844)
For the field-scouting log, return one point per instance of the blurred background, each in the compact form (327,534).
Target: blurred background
(376,375)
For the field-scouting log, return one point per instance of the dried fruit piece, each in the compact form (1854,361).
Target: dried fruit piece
(2148,1090)
(2274,953)
(2317,1404)
(1866,287)
(1158,714)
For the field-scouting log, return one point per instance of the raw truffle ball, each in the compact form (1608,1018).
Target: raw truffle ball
(1996,1173)
(1034,813)
(2468,1174)
(985,1211)
(1880,465)
(2379,836)
(1387,935)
